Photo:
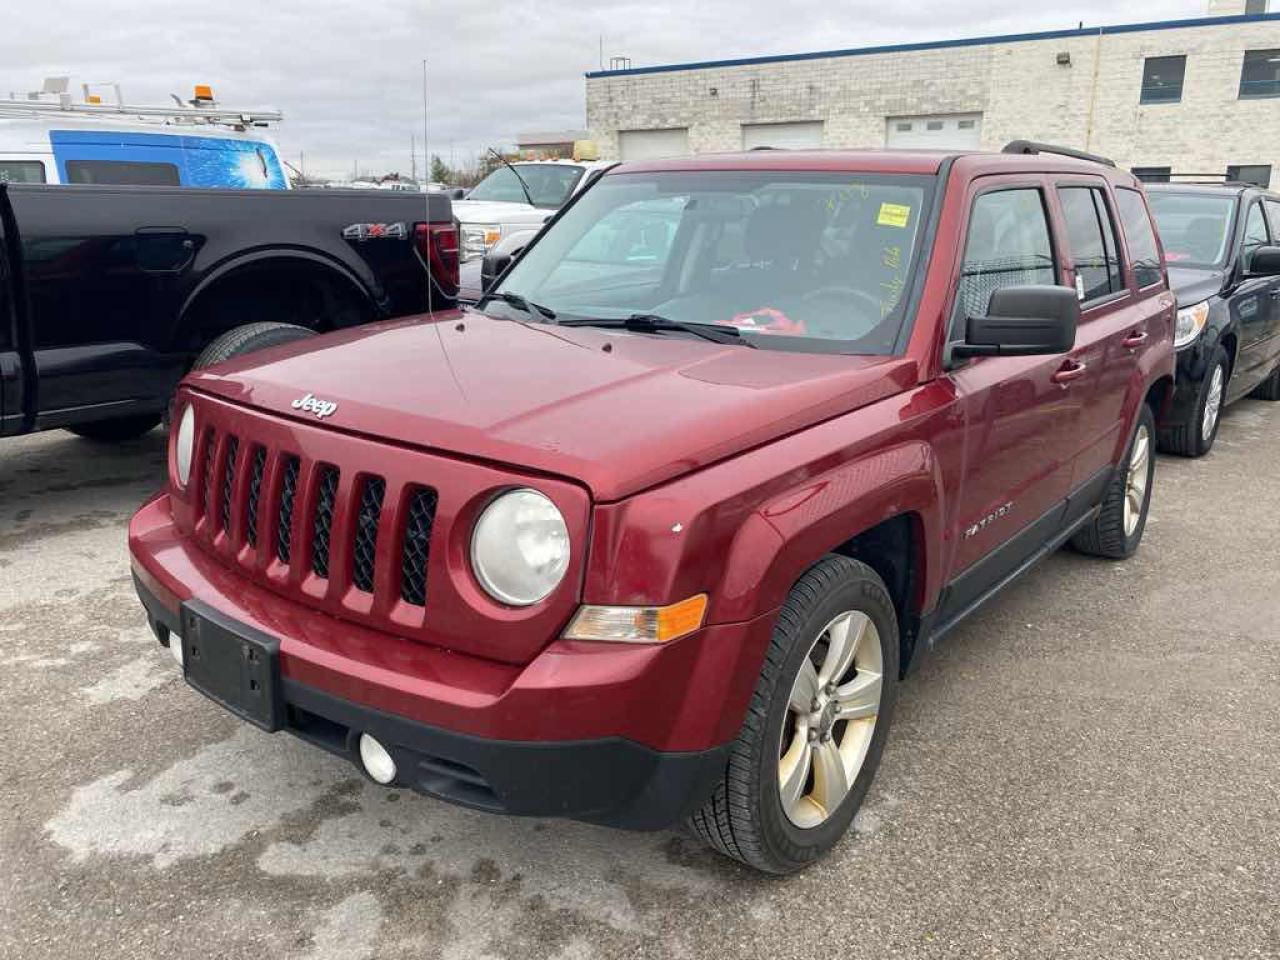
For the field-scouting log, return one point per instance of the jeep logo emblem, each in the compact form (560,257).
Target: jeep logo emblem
(312,404)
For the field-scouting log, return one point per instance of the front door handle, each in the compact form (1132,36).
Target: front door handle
(1071,370)
(1135,339)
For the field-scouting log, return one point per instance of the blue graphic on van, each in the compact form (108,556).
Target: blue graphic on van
(166,159)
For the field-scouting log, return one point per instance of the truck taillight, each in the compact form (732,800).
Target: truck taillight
(438,245)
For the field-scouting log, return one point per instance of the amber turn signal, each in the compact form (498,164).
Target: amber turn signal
(638,624)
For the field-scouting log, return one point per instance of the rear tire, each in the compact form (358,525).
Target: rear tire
(117,430)
(797,774)
(248,339)
(1117,529)
(1193,436)
(1268,389)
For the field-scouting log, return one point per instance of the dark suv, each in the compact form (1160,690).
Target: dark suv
(653,531)
(1222,245)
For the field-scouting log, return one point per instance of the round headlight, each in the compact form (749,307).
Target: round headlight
(520,548)
(184,445)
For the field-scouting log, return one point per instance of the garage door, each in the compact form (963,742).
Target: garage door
(952,131)
(653,144)
(787,136)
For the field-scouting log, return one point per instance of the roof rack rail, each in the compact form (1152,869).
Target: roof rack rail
(1030,146)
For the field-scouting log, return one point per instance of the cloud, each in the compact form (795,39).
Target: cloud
(348,76)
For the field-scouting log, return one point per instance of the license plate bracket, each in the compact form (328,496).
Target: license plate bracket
(232,664)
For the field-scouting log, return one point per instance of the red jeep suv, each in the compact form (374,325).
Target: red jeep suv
(654,531)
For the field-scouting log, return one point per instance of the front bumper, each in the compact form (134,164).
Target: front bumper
(632,736)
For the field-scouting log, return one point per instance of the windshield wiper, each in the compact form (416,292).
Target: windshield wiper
(522,304)
(652,323)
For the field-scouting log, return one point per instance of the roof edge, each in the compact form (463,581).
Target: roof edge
(941,44)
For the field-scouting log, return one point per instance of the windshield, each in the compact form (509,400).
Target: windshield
(1194,227)
(550,184)
(807,261)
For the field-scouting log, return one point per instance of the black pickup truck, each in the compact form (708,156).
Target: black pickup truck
(109,295)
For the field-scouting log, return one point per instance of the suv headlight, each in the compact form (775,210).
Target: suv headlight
(184,445)
(478,239)
(520,547)
(1191,322)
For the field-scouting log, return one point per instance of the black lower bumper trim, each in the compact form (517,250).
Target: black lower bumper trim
(612,781)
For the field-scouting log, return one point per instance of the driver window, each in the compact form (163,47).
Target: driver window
(1007,245)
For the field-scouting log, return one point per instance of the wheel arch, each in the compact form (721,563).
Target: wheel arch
(209,309)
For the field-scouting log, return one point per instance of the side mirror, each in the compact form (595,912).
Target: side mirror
(491,268)
(1265,262)
(1023,322)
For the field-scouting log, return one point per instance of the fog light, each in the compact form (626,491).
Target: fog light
(377,762)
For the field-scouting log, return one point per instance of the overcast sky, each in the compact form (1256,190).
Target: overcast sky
(348,75)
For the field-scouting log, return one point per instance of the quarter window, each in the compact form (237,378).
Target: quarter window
(1092,237)
(1260,75)
(123,172)
(1144,254)
(1255,234)
(1008,245)
(1162,79)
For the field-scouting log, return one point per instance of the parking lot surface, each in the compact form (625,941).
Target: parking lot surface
(1089,767)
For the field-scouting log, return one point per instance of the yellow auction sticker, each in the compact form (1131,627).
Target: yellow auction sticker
(893,215)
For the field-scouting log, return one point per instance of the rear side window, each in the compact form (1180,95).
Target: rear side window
(123,173)
(1007,246)
(1143,251)
(1255,234)
(21,171)
(1092,236)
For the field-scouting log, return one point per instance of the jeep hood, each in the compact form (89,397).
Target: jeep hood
(619,412)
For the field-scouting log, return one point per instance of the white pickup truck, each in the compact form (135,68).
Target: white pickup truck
(518,197)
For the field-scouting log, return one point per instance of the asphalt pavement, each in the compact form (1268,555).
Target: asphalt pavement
(1089,767)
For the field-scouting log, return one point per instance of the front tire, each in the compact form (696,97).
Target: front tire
(1117,529)
(816,726)
(1193,436)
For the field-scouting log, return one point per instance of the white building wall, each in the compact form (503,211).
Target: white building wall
(1019,88)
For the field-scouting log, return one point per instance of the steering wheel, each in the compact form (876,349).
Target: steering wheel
(873,306)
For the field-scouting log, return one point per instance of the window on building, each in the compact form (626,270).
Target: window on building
(1143,251)
(966,124)
(21,171)
(933,125)
(903,127)
(1162,79)
(1255,234)
(1092,237)
(1252,7)
(1152,174)
(1255,173)
(1260,75)
(1008,245)
(122,172)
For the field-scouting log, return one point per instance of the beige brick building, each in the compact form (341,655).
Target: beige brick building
(1191,96)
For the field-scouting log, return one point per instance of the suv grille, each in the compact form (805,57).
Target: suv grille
(339,535)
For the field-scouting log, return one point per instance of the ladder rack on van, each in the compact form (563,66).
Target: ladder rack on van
(64,106)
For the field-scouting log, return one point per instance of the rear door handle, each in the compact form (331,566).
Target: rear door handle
(1135,339)
(1071,370)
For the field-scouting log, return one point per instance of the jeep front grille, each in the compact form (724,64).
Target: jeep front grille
(306,512)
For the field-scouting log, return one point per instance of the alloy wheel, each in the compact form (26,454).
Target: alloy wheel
(831,716)
(1212,404)
(1135,488)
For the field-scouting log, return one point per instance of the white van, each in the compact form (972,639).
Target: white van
(48,140)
